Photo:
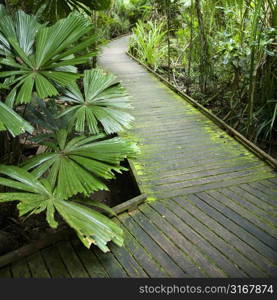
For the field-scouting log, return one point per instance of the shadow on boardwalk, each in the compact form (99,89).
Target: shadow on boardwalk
(212,203)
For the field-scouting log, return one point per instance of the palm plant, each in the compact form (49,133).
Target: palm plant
(88,160)
(102,102)
(147,43)
(36,196)
(38,57)
(13,122)
(56,9)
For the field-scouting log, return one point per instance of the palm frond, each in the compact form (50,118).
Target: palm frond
(37,196)
(40,58)
(103,102)
(11,121)
(80,165)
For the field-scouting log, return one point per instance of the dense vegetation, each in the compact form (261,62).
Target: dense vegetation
(222,53)
(70,115)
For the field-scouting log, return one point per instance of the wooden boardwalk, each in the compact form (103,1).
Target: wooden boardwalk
(212,209)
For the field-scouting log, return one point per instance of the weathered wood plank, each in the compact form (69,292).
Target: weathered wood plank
(200,266)
(129,263)
(258,267)
(177,254)
(37,266)
(72,261)
(148,243)
(20,269)
(110,263)
(213,209)
(213,254)
(227,250)
(5,272)
(144,258)
(243,194)
(89,260)
(243,220)
(259,194)
(253,213)
(54,262)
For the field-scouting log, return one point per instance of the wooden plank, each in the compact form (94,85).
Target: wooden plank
(273,180)
(213,234)
(243,194)
(213,254)
(129,263)
(199,168)
(260,234)
(209,186)
(144,258)
(245,208)
(257,267)
(130,204)
(148,243)
(204,180)
(31,248)
(263,188)
(54,262)
(5,272)
(72,261)
(176,253)
(37,266)
(20,269)
(272,186)
(110,263)
(89,260)
(201,266)
(209,205)
(259,194)
(205,173)
(201,178)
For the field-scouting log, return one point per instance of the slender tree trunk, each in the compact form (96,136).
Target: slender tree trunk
(168,37)
(253,68)
(205,56)
(190,48)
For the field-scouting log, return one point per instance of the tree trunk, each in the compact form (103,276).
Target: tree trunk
(204,66)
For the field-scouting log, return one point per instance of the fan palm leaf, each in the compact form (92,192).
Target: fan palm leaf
(56,9)
(79,165)
(103,102)
(36,196)
(11,121)
(40,58)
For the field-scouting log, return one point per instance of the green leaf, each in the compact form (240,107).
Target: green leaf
(91,226)
(12,122)
(25,92)
(79,165)
(44,88)
(103,102)
(42,52)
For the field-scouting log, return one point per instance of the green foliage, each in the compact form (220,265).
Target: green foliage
(147,43)
(88,160)
(36,196)
(223,53)
(38,66)
(57,9)
(40,58)
(103,101)
(13,122)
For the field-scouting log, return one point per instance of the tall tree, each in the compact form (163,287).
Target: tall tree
(205,68)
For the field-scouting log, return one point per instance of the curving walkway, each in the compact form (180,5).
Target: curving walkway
(212,209)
